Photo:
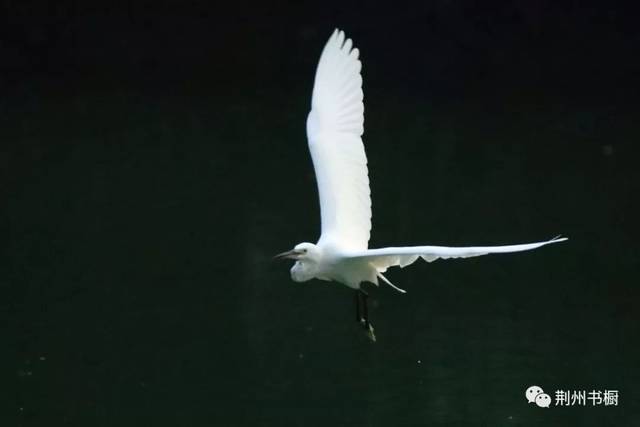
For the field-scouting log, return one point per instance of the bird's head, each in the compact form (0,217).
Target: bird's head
(307,256)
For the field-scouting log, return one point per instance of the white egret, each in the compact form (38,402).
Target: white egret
(334,130)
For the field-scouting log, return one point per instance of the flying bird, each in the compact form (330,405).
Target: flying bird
(334,132)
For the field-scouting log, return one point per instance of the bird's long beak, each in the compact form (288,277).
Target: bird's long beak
(292,254)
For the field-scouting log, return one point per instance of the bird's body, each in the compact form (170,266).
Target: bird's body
(334,131)
(329,262)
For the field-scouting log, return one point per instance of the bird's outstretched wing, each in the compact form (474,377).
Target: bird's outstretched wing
(334,130)
(384,258)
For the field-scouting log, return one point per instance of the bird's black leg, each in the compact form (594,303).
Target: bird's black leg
(365,296)
(362,313)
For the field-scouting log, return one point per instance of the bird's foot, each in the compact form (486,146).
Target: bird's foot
(368,327)
(370,333)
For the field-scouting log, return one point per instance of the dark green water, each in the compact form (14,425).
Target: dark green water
(138,287)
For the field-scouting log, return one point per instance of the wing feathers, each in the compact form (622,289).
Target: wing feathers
(388,257)
(334,127)
(337,93)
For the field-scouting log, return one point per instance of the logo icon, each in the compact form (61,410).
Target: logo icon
(532,392)
(535,394)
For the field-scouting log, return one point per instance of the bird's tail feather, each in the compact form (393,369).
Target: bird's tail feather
(384,279)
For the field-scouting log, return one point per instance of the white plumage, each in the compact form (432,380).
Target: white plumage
(334,130)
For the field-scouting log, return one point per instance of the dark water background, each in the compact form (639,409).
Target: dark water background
(153,160)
